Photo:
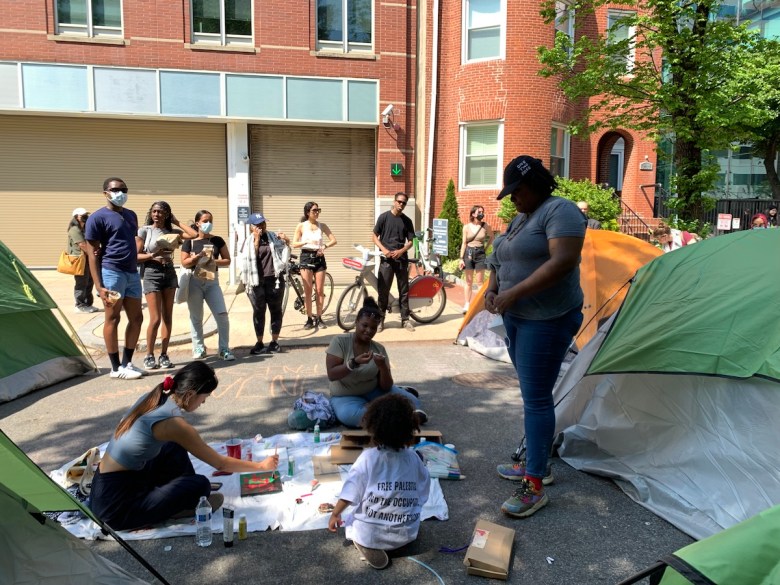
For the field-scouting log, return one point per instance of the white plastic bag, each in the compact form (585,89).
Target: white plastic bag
(440,460)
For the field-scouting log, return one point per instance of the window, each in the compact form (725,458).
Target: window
(564,19)
(484,30)
(345,25)
(222,22)
(559,151)
(621,32)
(91,18)
(481,155)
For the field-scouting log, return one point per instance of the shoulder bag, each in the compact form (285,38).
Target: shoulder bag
(73,265)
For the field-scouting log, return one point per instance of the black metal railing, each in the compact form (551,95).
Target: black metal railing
(741,209)
(631,223)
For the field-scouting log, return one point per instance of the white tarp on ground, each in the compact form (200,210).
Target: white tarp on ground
(275,511)
(478,336)
(45,554)
(700,451)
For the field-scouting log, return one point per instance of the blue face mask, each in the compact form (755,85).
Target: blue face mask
(118,198)
(206,227)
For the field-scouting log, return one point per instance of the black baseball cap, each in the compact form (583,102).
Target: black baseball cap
(518,171)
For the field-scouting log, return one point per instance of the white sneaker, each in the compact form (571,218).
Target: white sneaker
(132,368)
(125,373)
(465,308)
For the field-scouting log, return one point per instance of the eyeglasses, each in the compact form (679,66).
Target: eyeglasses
(403,203)
(316,210)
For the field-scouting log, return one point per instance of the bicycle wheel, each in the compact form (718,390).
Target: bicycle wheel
(328,289)
(431,310)
(350,302)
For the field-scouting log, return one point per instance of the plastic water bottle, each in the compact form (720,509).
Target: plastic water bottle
(317,432)
(203,523)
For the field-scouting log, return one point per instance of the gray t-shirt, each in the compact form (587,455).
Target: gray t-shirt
(524,248)
(362,379)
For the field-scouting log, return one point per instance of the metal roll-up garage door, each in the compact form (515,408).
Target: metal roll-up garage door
(334,167)
(50,165)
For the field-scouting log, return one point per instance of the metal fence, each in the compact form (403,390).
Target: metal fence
(741,209)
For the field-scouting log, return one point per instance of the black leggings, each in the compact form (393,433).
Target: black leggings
(262,296)
(167,484)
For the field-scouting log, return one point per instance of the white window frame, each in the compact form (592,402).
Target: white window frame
(564,18)
(344,46)
(465,35)
(499,155)
(616,15)
(90,30)
(222,38)
(566,146)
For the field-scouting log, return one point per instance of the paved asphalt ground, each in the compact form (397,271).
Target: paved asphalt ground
(591,530)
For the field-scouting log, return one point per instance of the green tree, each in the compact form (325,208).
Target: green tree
(670,68)
(449,211)
(602,202)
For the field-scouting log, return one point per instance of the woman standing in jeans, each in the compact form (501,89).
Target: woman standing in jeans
(535,286)
(207,290)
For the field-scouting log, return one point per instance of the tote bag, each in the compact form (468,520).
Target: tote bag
(183,292)
(73,265)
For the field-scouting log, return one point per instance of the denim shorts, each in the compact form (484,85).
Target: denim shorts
(127,284)
(158,277)
(310,261)
(475,258)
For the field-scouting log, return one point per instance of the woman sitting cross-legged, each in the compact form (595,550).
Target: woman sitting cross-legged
(145,476)
(359,369)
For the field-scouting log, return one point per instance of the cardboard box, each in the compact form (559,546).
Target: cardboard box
(490,551)
(353,442)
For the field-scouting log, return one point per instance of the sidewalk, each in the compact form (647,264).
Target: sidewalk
(90,326)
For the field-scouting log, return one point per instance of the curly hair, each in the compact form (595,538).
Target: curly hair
(391,421)
(168,214)
(369,309)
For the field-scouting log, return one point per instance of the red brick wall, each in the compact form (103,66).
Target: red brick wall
(285,34)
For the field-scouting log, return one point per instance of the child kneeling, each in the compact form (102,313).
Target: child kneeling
(388,483)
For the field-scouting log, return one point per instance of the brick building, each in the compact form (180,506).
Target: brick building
(239,105)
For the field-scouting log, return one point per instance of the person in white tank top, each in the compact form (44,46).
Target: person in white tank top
(310,238)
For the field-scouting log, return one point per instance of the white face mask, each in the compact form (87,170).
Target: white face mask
(206,227)
(118,198)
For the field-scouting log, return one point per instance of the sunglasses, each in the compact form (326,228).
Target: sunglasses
(373,316)
(403,203)
(316,210)
(117,190)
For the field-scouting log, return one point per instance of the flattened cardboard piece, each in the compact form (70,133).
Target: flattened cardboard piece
(490,551)
(341,456)
(324,470)
(358,439)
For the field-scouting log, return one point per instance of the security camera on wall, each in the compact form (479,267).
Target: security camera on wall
(387,111)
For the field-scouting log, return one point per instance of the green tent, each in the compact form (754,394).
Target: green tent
(745,554)
(34,549)
(677,397)
(36,351)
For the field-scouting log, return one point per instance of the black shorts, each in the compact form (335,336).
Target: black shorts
(310,261)
(475,258)
(159,277)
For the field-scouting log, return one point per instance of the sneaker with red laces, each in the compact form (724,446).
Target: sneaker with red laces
(516,471)
(525,501)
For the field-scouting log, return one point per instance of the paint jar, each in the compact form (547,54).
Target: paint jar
(291,466)
(242,527)
(227,527)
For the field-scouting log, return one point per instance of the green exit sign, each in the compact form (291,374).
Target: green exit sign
(396,169)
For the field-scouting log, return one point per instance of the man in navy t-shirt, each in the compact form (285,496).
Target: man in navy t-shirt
(394,235)
(110,233)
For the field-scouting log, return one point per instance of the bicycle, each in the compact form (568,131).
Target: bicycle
(427,297)
(291,276)
(424,256)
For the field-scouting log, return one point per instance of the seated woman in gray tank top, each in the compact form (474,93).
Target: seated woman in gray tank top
(145,476)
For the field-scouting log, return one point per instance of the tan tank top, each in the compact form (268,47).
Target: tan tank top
(479,240)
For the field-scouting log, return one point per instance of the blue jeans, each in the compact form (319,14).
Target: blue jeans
(210,291)
(537,349)
(350,409)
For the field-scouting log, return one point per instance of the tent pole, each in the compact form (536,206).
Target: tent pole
(123,543)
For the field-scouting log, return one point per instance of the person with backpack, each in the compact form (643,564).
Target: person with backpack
(477,236)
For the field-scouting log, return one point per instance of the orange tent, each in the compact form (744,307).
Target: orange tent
(609,261)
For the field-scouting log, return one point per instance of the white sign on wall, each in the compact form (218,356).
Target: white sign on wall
(724,221)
